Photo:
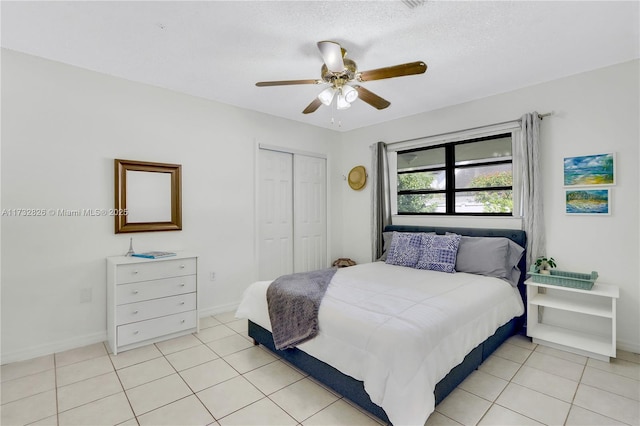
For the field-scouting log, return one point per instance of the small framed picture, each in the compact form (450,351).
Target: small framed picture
(594,202)
(590,170)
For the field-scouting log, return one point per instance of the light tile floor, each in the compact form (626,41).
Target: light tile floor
(217,377)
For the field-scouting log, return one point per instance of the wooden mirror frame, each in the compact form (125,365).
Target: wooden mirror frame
(121,168)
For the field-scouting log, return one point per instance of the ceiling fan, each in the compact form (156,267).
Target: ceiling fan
(341,73)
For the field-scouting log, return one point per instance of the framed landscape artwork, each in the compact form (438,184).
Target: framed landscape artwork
(590,170)
(595,202)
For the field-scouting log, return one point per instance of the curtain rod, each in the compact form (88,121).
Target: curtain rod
(540,116)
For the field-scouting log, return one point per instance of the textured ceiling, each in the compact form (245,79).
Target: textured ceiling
(219,50)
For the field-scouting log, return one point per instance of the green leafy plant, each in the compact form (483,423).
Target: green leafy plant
(416,203)
(494,201)
(545,263)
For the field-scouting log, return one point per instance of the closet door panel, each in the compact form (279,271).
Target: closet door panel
(310,213)
(275,214)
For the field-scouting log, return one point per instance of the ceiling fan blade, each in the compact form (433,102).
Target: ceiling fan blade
(286,82)
(371,98)
(332,55)
(314,105)
(410,68)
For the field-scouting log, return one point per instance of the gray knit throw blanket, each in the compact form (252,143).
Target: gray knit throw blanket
(294,301)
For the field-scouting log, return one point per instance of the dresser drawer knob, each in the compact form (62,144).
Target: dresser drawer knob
(134,272)
(182,321)
(182,303)
(135,312)
(181,284)
(136,332)
(181,266)
(135,292)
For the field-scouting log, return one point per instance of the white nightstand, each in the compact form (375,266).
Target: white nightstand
(571,319)
(149,300)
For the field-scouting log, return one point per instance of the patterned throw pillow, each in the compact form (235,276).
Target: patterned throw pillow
(405,249)
(439,252)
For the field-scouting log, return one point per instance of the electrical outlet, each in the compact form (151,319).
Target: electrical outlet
(212,276)
(86,295)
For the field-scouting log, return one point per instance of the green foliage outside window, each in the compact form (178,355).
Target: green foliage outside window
(494,201)
(418,203)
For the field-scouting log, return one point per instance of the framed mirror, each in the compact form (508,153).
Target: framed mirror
(147,196)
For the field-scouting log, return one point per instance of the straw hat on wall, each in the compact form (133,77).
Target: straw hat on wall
(357,178)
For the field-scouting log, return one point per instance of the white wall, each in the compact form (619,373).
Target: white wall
(62,127)
(594,112)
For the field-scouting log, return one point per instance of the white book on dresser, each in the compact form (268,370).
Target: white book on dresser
(149,300)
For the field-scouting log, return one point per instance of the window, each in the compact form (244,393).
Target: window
(472,177)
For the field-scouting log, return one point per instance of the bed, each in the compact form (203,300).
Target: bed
(395,346)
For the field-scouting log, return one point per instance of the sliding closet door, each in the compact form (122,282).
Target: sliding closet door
(275,214)
(292,213)
(310,213)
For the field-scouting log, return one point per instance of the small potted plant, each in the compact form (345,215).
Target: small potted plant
(545,264)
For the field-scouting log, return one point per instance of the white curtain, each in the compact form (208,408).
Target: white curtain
(532,208)
(380,197)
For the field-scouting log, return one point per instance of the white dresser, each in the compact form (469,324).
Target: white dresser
(149,300)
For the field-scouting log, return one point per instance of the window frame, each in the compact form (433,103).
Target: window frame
(450,167)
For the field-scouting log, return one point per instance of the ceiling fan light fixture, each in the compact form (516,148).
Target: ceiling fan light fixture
(341,102)
(350,94)
(326,96)
(341,76)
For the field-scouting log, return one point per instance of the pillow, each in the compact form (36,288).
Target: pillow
(404,249)
(490,256)
(515,253)
(483,256)
(439,252)
(386,237)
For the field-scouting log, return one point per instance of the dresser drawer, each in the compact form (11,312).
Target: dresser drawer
(155,308)
(155,269)
(145,290)
(149,329)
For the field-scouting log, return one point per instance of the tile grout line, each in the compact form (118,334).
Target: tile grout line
(282,408)
(494,402)
(115,370)
(510,381)
(339,397)
(571,404)
(573,398)
(264,395)
(194,393)
(55,388)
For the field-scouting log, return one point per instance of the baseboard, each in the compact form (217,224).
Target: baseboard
(53,347)
(628,346)
(217,310)
(89,339)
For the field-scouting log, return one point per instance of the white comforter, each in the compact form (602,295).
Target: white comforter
(399,330)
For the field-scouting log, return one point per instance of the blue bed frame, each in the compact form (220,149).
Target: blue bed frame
(353,389)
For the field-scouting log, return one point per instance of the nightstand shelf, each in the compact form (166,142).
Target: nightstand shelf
(593,310)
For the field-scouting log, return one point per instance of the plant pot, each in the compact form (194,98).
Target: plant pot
(545,272)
